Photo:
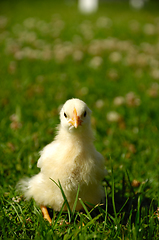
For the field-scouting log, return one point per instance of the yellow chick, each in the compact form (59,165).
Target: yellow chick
(71,159)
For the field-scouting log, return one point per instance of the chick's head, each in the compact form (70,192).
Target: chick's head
(74,115)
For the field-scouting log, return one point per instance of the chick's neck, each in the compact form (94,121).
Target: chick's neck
(82,135)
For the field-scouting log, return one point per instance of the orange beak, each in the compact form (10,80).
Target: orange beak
(75,121)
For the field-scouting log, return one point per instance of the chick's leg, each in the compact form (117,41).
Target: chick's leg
(45,213)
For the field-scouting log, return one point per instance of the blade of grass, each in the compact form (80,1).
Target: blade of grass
(85,208)
(123,185)
(123,206)
(106,207)
(76,199)
(70,214)
(83,228)
(113,197)
(111,217)
(138,210)
(67,204)
(3,222)
(92,221)
(132,190)
(16,211)
(58,216)
(151,220)
(96,206)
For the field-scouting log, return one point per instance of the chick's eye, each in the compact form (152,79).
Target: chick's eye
(85,113)
(65,115)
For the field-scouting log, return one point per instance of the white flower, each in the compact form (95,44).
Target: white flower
(95,47)
(134,25)
(96,62)
(142,59)
(113,116)
(154,90)
(119,101)
(84,91)
(155,74)
(132,100)
(99,103)
(104,22)
(77,55)
(109,44)
(137,3)
(16,199)
(115,57)
(149,29)
(30,22)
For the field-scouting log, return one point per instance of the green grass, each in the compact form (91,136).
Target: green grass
(50,53)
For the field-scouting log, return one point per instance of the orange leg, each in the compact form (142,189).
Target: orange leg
(45,213)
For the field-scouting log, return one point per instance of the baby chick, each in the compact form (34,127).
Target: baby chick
(71,159)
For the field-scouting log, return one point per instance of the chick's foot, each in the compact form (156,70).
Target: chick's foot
(45,213)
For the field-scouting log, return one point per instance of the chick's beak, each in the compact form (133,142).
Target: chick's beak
(76,120)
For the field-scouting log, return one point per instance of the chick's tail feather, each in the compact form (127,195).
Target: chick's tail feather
(23,187)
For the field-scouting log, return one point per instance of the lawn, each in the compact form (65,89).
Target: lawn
(49,52)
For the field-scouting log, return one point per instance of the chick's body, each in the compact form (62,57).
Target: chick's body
(72,159)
